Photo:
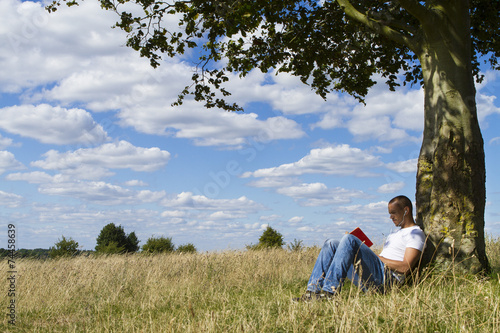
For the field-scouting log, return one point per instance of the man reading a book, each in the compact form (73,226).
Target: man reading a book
(351,258)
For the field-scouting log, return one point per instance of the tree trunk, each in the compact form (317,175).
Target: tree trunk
(451,193)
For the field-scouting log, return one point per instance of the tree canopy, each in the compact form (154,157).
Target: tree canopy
(270,238)
(112,239)
(330,45)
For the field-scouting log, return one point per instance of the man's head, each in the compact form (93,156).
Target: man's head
(400,207)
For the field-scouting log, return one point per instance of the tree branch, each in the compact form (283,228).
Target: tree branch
(377,26)
(413,7)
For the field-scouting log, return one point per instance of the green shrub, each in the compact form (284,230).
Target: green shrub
(158,245)
(187,248)
(295,246)
(64,248)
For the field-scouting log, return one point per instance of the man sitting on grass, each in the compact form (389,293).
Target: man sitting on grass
(351,258)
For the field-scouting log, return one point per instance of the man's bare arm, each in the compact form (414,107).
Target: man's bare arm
(410,259)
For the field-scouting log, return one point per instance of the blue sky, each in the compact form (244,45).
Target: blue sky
(88,137)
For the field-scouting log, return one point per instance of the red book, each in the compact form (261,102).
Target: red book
(361,235)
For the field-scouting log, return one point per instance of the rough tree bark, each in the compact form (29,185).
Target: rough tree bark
(451,173)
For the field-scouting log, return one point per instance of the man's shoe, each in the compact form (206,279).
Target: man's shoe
(310,296)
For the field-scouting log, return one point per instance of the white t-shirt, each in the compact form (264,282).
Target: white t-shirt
(397,242)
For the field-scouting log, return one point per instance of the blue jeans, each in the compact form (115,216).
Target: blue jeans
(347,258)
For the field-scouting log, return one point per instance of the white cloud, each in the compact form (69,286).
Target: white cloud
(209,127)
(96,192)
(391,187)
(284,92)
(404,166)
(52,125)
(8,162)
(333,160)
(272,181)
(136,182)
(111,82)
(318,194)
(255,225)
(387,116)
(10,199)
(35,177)
(117,155)
(221,215)
(90,66)
(5,142)
(173,213)
(272,217)
(58,43)
(371,212)
(100,193)
(296,219)
(485,97)
(188,200)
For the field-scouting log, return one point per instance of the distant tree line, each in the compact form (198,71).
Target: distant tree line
(113,240)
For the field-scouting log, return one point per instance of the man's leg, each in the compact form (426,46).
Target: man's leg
(323,263)
(350,252)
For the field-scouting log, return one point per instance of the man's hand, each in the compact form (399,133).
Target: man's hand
(410,259)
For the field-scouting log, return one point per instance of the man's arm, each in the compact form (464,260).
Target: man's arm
(410,259)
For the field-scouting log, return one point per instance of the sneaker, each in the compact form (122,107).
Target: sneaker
(310,296)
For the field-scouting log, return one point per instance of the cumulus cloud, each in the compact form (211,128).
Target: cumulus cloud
(5,142)
(485,98)
(272,217)
(272,181)
(173,213)
(374,211)
(8,162)
(35,177)
(209,127)
(318,194)
(117,155)
(135,182)
(10,200)
(284,92)
(188,200)
(90,66)
(403,166)
(333,160)
(391,187)
(222,215)
(296,219)
(97,192)
(386,116)
(52,125)
(33,39)
(100,193)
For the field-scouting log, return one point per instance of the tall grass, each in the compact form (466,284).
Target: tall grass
(236,291)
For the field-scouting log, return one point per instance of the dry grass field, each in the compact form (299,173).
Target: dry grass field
(235,291)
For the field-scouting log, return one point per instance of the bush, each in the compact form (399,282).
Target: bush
(158,245)
(187,248)
(295,246)
(64,248)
